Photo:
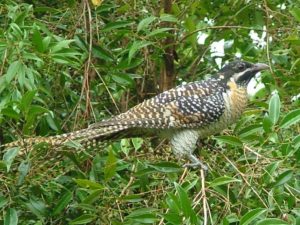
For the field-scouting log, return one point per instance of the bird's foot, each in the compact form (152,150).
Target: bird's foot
(195,163)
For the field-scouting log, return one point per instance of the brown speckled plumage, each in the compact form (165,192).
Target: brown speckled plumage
(187,113)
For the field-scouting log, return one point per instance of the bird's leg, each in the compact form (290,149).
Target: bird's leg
(195,162)
(184,143)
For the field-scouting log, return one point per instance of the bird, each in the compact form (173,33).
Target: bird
(184,114)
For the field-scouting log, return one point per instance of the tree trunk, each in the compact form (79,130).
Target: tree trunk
(167,76)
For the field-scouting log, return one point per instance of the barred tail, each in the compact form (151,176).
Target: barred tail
(81,136)
(109,129)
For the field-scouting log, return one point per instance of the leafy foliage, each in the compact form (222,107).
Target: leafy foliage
(66,64)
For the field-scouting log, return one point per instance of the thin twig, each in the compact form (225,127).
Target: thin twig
(130,181)
(267,37)
(119,209)
(245,180)
(209,213)
(204,199)
(88,63)
(108,91)
(254,152)
(85,83)
(3,61)
(183,175)
(124,190)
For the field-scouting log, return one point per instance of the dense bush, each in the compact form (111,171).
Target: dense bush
(67,64)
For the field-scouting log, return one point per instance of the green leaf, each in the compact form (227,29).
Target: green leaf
(3,165)
(126,65)
(61,60)
(250,130)
(62,203)
(132,198)
(122,78)
(283,178)
(16,30)
(269,172)
(146,218)
(3,201)
(3,84)
(38,41)
(185,202)
(296,142)
(66,53)
(36,109)
(290,119)
(110,166)
(21,75)
(296,13)
(168,18)
(27,100)
(230,219)
(252,215)
(166,167)
(9,156)
(136,46)
(37,207)
(11,217)
(231,140)
(125,146)
(144,215)
(11,113)
(274,108)
(145,23)
(19,19)
(95,194)
(46,42)
(81,43)
(23,171)
(85,207)
(222,180)
(159,31)
(30,56)
(88,184)
(295,64)
(63,44)
(117,25)
(281,52)
(273,137)
(83,219)
(137,143)
(271,221)
(51,122)
(173,203)
(13,70)
(267,124)
(102,53)
(172,218)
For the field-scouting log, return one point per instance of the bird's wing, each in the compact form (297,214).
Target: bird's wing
(191,105)
(196,112)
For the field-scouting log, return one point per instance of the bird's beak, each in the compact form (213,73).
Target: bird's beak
(260,66)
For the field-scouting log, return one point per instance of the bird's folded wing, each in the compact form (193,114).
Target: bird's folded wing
(187,106)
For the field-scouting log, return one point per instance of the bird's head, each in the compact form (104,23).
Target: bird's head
(241,72)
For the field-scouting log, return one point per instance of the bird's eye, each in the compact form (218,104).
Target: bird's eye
(241,66)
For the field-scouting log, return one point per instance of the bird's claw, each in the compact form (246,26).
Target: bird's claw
(196,165)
